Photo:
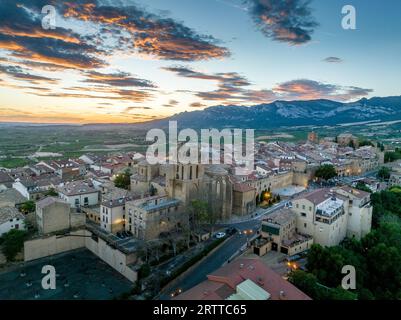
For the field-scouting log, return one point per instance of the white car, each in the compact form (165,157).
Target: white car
(220,235)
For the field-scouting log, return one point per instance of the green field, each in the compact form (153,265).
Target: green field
(19,143)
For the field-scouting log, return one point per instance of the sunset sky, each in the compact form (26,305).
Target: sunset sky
(132,61)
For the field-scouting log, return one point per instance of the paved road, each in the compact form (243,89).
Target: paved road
(216,259)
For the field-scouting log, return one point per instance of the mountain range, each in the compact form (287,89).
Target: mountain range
(288,113)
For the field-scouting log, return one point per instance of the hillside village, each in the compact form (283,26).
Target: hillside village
(133,214)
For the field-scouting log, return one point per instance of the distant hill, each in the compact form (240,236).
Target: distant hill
(288,113)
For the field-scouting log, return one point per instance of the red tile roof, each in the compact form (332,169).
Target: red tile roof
(223,282)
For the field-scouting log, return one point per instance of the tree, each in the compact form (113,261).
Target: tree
(28,207)
(384,173)
(144,271)
(51,193)
(392,156)
(152,190)
(326,172)
(363,143)
(199,212)
(363,187)
(123,180)
(13,242)
(309,284)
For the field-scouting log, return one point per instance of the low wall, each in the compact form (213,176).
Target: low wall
(113,257)
(48,246)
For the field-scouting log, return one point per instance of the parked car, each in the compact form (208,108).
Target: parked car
(220,235)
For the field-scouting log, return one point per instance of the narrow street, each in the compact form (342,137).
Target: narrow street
(217,258)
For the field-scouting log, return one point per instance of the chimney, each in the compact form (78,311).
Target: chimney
(241,266)
(283,296)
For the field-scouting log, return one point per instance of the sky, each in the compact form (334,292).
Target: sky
(126,61)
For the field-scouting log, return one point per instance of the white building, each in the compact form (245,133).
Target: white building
(79,194)
(11,218)
(331,215)
(112,215)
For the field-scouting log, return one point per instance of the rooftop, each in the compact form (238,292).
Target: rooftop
(11,196)
(280,217)
(8,213)
(76,188)
(223,282)
(330,206)
(49,201)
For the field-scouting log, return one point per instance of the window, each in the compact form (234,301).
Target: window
(86,201)
(303,214)
(310,208)
(305,225)
(303,207)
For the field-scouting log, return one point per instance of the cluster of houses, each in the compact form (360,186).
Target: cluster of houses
(80,195)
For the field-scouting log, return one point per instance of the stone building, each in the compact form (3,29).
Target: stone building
(54,214)
(147,218)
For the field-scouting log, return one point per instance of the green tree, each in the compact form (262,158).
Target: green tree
(13,242)
(51,193)
(326,172)
(384,173)
(152,190)
(363,143)
(199,209)
(144,271)
(28,207)
(363,187)
(123,180)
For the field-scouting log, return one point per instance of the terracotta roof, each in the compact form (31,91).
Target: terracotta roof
(317,196)
(223,282)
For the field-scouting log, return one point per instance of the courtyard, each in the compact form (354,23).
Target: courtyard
(79,275)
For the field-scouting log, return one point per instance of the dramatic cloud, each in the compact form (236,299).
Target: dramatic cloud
(107,94)
(21,34)
(19,73)
(145,32)
(304,89)
(120,79)
(289,21)
(234,88)
(333,60)
(231,87)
